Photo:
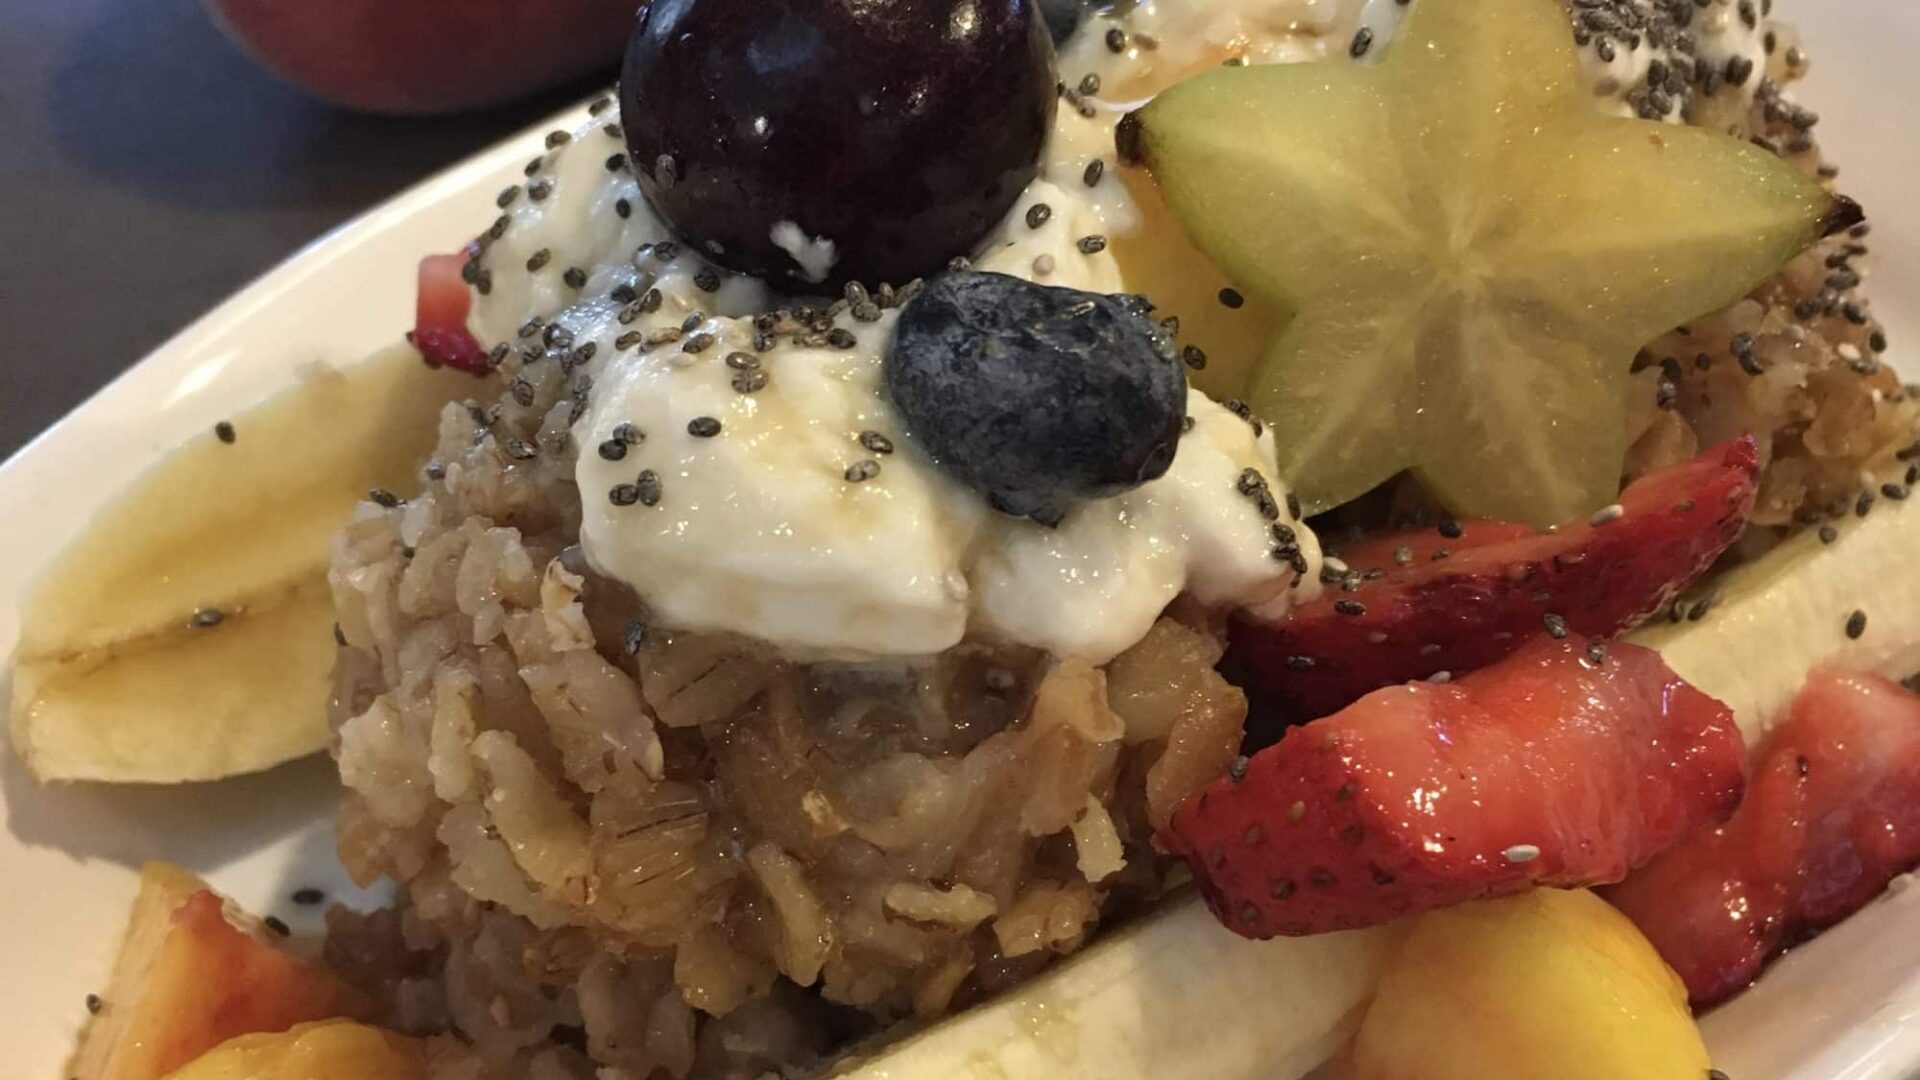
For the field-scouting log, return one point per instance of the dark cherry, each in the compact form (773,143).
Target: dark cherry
(900,131)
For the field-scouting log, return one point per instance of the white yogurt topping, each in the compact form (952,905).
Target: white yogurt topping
(759,529)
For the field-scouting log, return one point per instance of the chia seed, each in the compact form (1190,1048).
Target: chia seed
(703,427)
(1194,357)
(1856,625)
(647,485)
(863,470)
(876,442)
(613,450)
(1362,41)
(539,259)
(1556,626)
(1038,214)
(277,925)
(575,277)
(623,494)
(749,382)
(309,896)
(1231,299)
(384,498)
(1091,245)
(94,1004)
(224,432)
(1096,169)
(1116,40)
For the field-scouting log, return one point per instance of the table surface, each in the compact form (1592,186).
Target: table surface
(151,169)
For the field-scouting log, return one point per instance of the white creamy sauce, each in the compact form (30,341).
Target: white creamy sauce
(759,529)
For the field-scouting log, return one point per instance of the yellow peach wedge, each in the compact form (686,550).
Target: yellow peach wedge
(1549,984)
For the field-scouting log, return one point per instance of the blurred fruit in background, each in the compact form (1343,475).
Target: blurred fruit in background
(422,57)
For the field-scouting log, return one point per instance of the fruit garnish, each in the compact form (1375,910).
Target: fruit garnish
(1460,597)
(441,302)
(191,974)
(1474,253)
(897,133)
(1549,984)
(321,1050)
(205,649)
(1566,764)
(1038,397)
(1832,817)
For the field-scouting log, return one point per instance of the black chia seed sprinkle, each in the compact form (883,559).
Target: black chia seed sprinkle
(749,382)
(384,497)
(841,338)
(575,277)
(94,1004)
(277,925)
(647,485)
(1556,626)
(1194,357)
(633,637)
(1091,245)
(1896,492)
(224,432)
(506,196)
(616,162)
(1116,40)
(309,896)
(1856,625)
(876,442)
(863,470)
(703,427)
(698,343)
(539,259)
(707,279)
(623,207)
(539,190)
(1293,506)
(1038,215)
(1828,534)
(1349,607)
(1096,169)
(613,450)
(1362,41)
(1231,299)
(623,494)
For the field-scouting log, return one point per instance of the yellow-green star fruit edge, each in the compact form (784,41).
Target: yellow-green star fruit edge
(1473,252)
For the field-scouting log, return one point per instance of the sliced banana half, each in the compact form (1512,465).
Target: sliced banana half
(187,633)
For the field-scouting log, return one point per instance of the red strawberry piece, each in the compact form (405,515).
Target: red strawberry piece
(1566,764)
(440,316)
(1718,905)
(1833,816)
(1495,586)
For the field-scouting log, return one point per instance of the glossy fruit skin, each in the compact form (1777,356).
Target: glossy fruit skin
(1463,601)
(1833,815)
(1550,984)
(1550,768)
(902,132)
(1037,397)
(426,57)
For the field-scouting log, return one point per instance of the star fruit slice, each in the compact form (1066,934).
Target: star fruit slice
(1473,252)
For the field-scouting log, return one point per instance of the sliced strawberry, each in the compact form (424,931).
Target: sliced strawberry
(1833,817)
(1566,764)
(1458,603)
(440,316)
(1719,904)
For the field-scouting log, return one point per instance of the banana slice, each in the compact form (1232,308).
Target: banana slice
(1776,619)
(1174,996)
(185,635)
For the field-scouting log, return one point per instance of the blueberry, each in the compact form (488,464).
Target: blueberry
(902,131)
(1062,16)
(1037,397)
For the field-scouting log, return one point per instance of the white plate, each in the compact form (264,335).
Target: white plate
(1847,1007)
